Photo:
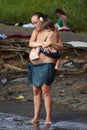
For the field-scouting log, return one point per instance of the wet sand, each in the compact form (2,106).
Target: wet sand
(20,113)
(14,115)
(26,109)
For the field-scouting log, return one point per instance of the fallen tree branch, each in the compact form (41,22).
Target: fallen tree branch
(19,49)
(14,67)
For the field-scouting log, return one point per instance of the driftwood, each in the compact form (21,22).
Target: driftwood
(72,71)
(1,62)
(7,56)
(14,67)
(14,54)
(78,67)
(12,60)
(15,49)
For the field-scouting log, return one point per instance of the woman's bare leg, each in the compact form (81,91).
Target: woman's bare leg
(37,104)
(48,102)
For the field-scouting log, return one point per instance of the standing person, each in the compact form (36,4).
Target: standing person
(62,20)
(42,70)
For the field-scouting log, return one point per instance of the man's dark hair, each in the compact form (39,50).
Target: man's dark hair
(60,11)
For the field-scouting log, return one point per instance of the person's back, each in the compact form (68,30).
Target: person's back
(62,20)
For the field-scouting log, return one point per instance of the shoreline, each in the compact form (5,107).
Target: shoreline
(25,109)
(69,91)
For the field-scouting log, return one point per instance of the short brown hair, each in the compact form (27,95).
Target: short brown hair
(60,11)
(48,23)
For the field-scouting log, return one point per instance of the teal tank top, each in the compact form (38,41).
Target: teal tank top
(60,23)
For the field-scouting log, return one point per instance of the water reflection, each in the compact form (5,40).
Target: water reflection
(13,122)
(42,128)
(70,125)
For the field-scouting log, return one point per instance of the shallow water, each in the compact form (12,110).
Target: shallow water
(14,122)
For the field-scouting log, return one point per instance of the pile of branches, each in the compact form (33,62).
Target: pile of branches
(13,56)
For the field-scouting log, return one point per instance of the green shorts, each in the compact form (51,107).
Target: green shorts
(41,74)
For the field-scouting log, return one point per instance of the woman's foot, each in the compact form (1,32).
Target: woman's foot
(35,120)
(48,122)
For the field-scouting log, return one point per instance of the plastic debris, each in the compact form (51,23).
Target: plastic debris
(3,80)
(3,36)
(20,97)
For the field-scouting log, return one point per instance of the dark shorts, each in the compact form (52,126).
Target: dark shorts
(55,55)
(41,74)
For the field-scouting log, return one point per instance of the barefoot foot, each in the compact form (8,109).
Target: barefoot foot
(48,122)
(34,120)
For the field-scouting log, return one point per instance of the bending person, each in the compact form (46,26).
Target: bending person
(62,20)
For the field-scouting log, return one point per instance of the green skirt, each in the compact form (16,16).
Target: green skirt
(41,74)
